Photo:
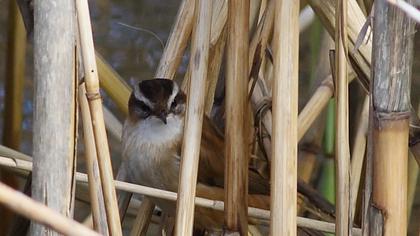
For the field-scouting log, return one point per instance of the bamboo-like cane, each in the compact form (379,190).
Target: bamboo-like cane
(392,35)
(236,149)
(285,116)
(342,160)
(358,154)
(193,120)
(177,41)
(95,104)
(95,186)
(142,220)
(167,195)
(33,210)
(113,84)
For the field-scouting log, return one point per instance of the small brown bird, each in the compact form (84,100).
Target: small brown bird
(152,140)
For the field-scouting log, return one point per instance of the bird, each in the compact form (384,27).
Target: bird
(151,149)
(151,155)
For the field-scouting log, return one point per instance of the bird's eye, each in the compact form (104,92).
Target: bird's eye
(174,104)
(144,109)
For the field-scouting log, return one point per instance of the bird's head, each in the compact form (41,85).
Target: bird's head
(157,101)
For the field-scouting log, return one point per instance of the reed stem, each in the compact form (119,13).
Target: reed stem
(236,135)
(95,105)
(285,116)
(95,185)
(193,120)
(342,152)
(38,212)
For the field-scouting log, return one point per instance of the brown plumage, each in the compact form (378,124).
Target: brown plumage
(151,150)
(152,141)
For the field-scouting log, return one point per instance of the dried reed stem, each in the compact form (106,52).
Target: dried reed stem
(167,195)
(95,186)
(54,128)
(113,84)
(177,41)
(38,212)
(392,35)
(342,152)
(285,115)
(358,156)
(217,47)
(315,105)
(142,220)
(95,104)
(193,120)
(236,149)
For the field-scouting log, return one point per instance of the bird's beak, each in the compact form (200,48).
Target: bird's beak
(162,117)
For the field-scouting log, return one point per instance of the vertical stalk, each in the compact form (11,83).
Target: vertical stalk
(95,105)
(342,152)
(54,112)
(95,186)
(285,115)
(392,60)
(236,150)
(193,120)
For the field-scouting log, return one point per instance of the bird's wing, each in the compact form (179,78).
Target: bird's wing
(212,162)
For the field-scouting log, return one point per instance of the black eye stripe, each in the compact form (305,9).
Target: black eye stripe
(143,106)
(174,104)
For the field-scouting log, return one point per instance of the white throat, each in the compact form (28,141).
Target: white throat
(153,131)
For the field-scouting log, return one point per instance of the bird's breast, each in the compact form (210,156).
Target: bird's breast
(149,161)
